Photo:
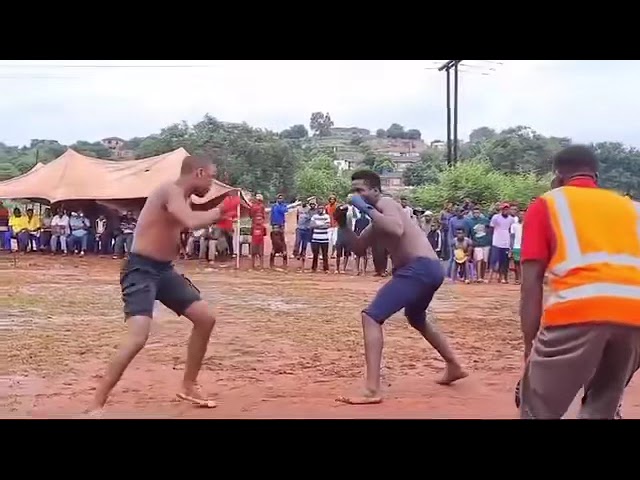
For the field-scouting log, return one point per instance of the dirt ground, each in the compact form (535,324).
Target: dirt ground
(285,346)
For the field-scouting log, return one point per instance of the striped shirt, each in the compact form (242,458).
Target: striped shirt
(320,235)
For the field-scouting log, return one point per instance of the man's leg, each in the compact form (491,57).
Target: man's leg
(139,328)
(338,257)
(296,245)
(128,242)
(562,360)
(83,244)
(416,313)
(324,248)
(400,292)
(118,248)
(315,250)
(620,360)
(177,293)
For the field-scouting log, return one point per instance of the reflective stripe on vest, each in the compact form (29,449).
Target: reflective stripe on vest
(575,257)
(598,286)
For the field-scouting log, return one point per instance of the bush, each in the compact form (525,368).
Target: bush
(476,179)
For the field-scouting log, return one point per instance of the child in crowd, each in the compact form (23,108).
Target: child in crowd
(463,254)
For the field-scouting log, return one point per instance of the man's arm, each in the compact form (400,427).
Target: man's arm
(535,255)
(387,217)
(293,205)
(178,207)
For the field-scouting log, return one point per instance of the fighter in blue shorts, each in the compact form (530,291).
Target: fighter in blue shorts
(417,275)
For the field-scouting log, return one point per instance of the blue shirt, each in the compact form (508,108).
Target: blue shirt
(278,213)
(456,223)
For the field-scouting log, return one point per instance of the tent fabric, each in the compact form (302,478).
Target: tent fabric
(73,176)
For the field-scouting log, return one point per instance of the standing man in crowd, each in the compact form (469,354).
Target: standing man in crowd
(278,219)
(320,225)
(481,242)
(330,210)
(408,210)
(588,332)
(501,243)
(59,231)
(125,236)
(516,244)
(362,257)
(258,216)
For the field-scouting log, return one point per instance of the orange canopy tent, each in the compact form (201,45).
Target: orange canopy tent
(73,176)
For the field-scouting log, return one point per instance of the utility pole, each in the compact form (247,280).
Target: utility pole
(452,153)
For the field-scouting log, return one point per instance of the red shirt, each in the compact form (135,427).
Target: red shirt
(538,239)
(257,214)
(331,208)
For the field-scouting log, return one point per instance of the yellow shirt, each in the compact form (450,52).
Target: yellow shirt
(18,223)
(33,224)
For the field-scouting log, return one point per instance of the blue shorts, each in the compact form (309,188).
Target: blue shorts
(411,287)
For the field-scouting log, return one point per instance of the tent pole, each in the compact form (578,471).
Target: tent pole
(237,235)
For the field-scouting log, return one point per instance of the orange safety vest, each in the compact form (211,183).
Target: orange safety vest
(594,272)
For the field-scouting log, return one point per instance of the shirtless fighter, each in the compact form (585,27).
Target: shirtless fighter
(417,275)
(148,275)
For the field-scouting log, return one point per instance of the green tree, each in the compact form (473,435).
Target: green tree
(426,171)
(413,134)
(320,177)
(396,131)
(321,124)
(91,149)
(295,132)
(381,133)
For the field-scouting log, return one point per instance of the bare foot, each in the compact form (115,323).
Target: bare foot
(93,413)
(194,396)
(369,397)
(452,373)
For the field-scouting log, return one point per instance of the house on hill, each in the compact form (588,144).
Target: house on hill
(117,146)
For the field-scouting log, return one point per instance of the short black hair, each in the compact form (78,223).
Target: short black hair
(191,163)
(372,179)
(575,159)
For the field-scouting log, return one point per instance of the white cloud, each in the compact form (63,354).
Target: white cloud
(70,100)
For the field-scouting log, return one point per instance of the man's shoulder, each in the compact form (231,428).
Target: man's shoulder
(389,204)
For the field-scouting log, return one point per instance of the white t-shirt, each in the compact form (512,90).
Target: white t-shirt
(501,230)
(516,231)
(61,221)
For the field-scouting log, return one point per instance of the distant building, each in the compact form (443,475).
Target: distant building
(117,147)
(392,180)
(438,145)
(113,143)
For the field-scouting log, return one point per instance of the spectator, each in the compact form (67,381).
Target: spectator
(79,238)
(330,209)
(445,216)
(516,243)
(304,226)
(278,246)
(198,237)
(34,227)
(20,228)
(59,231)
(501,243)
(435,239)
(462,254)
(103,238)
(124,240)
(407,209)
(320,223)
(258,215)
(456,222)
(380,259)
(45,233)
(481,242)
(362,222)
(342,251)
(5,232)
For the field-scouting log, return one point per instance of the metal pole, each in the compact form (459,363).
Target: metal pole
(455,110)
(237,235)
(448,117)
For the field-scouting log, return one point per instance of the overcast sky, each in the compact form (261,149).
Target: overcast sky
(90,100)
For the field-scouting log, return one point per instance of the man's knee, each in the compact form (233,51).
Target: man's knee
(201,315)
(139,329)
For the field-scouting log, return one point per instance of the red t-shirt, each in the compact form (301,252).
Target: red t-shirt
(330,211)
(538,239)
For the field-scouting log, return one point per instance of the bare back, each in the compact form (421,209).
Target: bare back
(157,233)
(412,243)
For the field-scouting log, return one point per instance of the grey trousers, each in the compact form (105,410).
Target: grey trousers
(603,358)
